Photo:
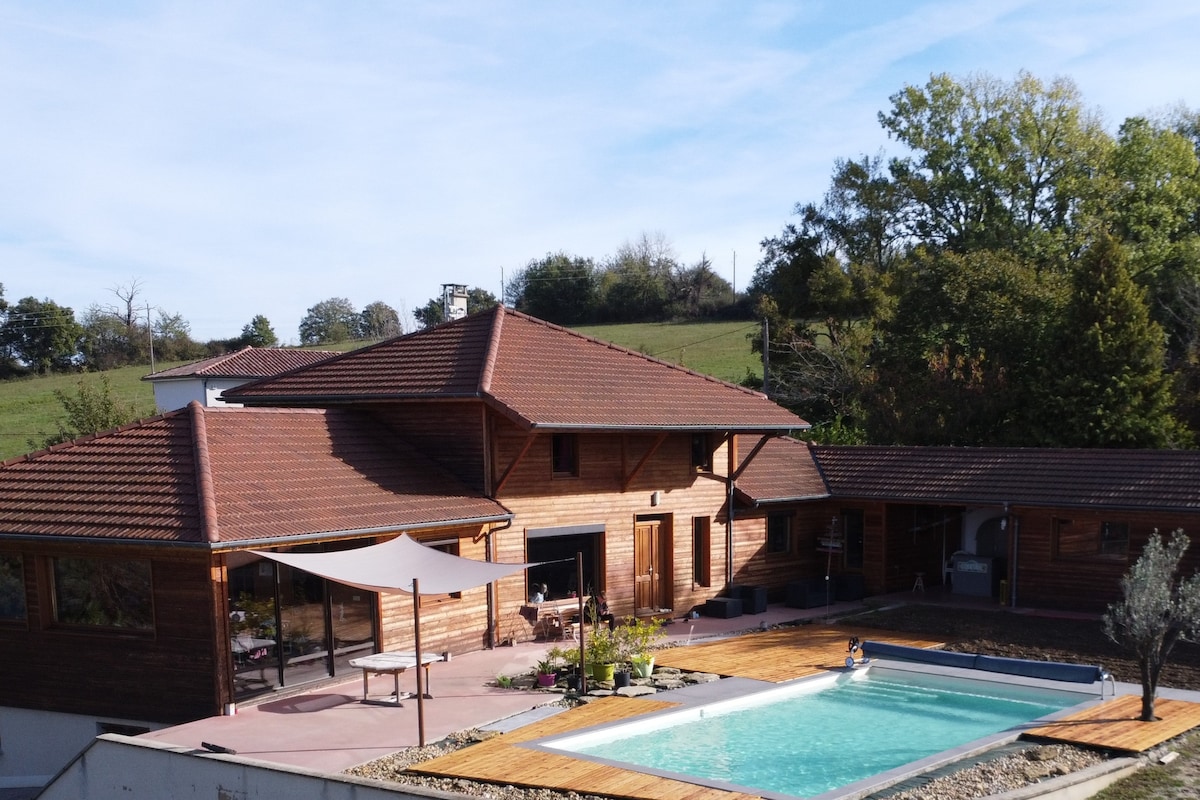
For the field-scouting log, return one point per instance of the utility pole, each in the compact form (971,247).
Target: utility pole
(766,347)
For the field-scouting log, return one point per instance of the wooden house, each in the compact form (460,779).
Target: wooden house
(129,597)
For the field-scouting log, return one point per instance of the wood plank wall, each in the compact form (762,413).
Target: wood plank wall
(111,673)
(598,496)
(1048,580)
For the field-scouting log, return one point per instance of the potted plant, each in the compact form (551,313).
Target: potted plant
(637,639)
(547,668)
(600,653)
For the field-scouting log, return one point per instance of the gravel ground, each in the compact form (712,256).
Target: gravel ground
(996,633)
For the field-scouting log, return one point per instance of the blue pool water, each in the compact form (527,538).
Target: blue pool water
(803,741)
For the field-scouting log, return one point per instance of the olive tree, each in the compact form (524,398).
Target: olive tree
(1159,609)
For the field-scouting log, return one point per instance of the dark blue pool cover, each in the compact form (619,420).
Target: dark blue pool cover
(1047,670)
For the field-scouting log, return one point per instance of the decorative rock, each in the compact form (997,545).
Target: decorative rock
(636,691)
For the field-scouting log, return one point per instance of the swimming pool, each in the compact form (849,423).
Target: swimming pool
(814,736)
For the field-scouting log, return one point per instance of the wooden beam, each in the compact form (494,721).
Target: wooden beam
(529,440)
(753,452)
(662,437)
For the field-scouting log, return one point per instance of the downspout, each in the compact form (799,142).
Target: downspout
(731,458)
(489,555)
(1016,529)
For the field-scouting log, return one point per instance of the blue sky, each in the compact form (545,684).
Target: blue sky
(256,158)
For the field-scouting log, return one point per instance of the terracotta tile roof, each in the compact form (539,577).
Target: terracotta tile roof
(782,471)
(215,475)
(540,375)
(249,362)
(1116,479)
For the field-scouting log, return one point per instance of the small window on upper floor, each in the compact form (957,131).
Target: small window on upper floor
(702,452)
(564,455)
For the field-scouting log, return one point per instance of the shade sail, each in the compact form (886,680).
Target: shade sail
(390,567)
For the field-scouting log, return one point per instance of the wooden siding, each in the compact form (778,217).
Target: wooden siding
(165,675)
(754,566)
(454,624)
(598,496)
(1048,580)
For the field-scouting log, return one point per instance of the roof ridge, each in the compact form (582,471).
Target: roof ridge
(205,488)
(493,351)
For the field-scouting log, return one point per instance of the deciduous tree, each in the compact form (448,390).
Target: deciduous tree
(42,335)
(379,321)
(329,322)
(558,288)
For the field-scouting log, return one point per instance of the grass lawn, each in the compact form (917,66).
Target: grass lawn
(29,409)
(720,349)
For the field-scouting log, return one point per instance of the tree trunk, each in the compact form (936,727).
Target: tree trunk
(1149,689)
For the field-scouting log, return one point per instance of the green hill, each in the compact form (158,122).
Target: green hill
(29,409)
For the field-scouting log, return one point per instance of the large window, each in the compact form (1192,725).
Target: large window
(564,454)
(779,533)
(103,592)
(12,587)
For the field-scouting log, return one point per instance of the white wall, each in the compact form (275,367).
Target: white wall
(172,394)
(34,745)
(118,767)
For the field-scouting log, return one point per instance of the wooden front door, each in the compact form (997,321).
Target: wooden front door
(651,567)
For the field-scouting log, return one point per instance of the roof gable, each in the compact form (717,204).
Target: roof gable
(539,374)
(249,362)
(783,470)
(221,475)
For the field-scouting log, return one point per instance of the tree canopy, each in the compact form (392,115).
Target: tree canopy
(1017,276)
(329,322)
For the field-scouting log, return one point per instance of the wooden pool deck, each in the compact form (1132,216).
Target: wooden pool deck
(1114,724)
(774,656)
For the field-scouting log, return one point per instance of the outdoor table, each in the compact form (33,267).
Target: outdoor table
(395,663)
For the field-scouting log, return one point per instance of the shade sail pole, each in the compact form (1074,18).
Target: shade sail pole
(417,650)
(582,622)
